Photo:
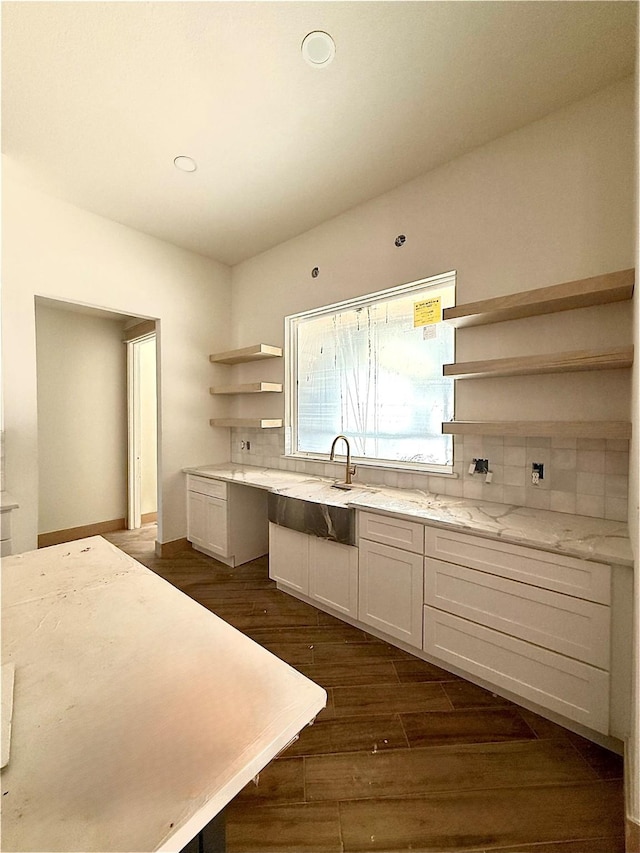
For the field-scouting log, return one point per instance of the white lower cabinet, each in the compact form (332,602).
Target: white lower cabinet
(323,570)
(390,591)
(226,521)
(534,623)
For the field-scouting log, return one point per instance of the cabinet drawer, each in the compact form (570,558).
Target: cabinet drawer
(571,626)
(576,690)
(205,486)
(396,532)
(583,579)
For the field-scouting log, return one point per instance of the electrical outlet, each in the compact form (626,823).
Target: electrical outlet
(481,466)
(537,473)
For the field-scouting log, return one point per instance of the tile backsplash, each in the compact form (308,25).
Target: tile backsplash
(581,476)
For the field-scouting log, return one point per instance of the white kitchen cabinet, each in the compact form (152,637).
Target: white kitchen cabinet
(289,558)
(226,520)
(333,575)
(390,591)
(534,623)
(325,571)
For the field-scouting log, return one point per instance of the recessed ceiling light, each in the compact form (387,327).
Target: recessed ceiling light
(185,164)
(318,48)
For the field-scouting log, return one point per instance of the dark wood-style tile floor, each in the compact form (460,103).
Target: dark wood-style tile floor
(406,756)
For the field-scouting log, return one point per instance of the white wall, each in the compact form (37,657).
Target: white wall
(549,203)
(82,419)
(56,250)
(633,750)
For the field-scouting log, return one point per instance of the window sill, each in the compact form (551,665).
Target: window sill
(445,472)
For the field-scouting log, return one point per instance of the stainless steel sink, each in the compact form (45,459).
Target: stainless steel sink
(324,520)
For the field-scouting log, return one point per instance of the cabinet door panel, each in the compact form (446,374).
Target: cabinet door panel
(333,574)
(289,557)
(196,519)
(576,690)
(565,624)
(216,514)
(390,591)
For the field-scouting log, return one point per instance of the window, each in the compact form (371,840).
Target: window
(366,368)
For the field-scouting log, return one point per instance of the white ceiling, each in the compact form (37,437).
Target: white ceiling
(98,98)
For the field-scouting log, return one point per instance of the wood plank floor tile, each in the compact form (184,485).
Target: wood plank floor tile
(292,653)
(542,727)
(345,674)
(300,828)
(312,634)
(231,591)
(477,725)
(369,722)
(281,781)
(283,619)
(329,711)
(606,764)
(357,652)
(472,820)
(350,734)
(389,699)
(420,670)
(273,601)
(363,775)
(464,694)
(584,845)
(227,610)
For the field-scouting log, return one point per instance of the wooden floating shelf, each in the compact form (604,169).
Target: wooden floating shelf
(248,388)
(257,423)
(253,353)
(553,429)
(599,290)
(562,362)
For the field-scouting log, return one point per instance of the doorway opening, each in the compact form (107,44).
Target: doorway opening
(142,425)
(83,414)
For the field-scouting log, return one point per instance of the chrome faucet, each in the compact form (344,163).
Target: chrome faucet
(351,469)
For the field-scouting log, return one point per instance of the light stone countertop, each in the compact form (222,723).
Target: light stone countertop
(595,539)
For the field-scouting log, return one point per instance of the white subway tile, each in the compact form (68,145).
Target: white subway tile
(590,505)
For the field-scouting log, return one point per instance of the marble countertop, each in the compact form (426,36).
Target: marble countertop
(595,539)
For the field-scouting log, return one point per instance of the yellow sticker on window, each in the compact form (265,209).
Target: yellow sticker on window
(427,311)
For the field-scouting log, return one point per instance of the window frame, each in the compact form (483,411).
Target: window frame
(291,360)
